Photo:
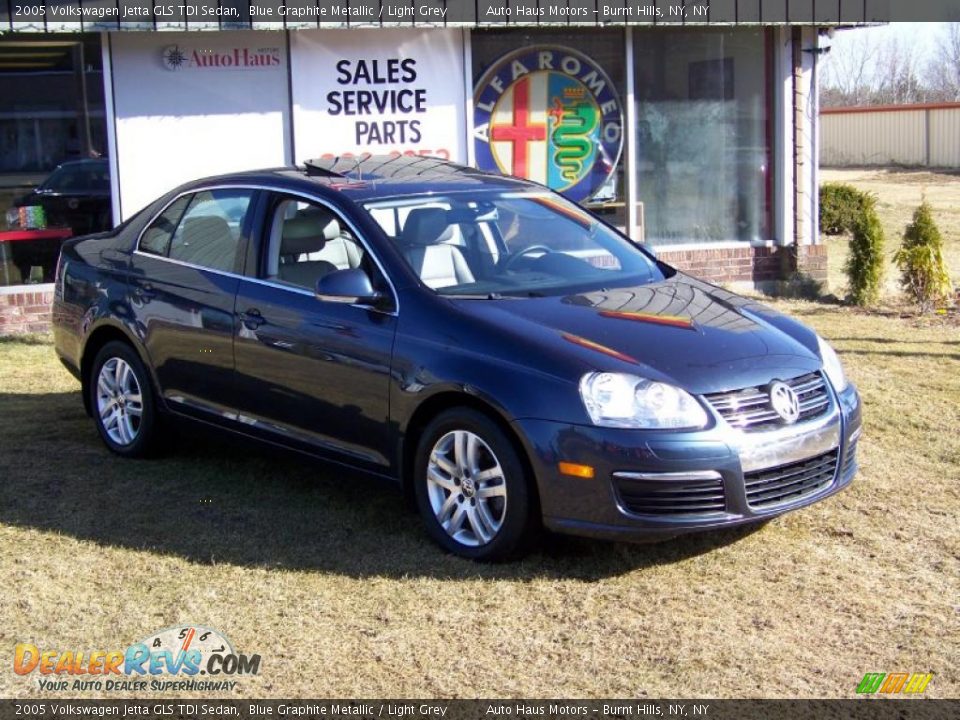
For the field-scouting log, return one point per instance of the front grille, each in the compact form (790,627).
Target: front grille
(750,409)
(680,496)
(788,483)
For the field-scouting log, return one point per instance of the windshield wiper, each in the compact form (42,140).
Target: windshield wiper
(473,296)
(518,295)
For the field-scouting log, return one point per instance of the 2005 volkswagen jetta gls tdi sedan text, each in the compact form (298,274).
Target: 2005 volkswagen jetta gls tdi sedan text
(510,359)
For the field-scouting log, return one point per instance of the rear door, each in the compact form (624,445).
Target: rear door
(183,284)
(314,374)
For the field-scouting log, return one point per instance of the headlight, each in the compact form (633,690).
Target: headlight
(627,401)
(832,366)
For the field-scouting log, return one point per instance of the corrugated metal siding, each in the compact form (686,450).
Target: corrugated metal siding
(916,136)
(945,138)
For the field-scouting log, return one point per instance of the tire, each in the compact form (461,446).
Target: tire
(127,426)
(470,487)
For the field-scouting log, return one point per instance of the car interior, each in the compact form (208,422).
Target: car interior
(308,242)
(426,240)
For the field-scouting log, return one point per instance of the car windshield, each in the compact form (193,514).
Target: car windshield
(509,244)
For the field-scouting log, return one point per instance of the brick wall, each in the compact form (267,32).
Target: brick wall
(764,267)
(25,310)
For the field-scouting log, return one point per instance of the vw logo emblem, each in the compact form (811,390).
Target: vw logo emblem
(785,402)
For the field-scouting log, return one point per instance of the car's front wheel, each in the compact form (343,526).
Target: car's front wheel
(122,400)
(470,486)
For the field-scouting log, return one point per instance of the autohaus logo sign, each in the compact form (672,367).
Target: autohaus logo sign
(552,115)
(179,57)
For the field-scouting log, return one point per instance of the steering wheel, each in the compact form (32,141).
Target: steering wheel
(511,259)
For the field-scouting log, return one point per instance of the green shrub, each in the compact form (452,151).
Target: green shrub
(923,272)
(865,263)
(840,207)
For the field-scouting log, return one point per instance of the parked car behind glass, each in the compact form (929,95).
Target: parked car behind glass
(75,195)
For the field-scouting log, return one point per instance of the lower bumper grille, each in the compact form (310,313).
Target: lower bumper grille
(850,462)
(789,483)
(680,495)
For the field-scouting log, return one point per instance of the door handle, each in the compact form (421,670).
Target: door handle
(252,319)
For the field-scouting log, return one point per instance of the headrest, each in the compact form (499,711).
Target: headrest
(205,229)
(427,226)
(307,233)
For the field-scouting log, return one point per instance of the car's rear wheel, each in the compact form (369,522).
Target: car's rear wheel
(470,486)
(122,400)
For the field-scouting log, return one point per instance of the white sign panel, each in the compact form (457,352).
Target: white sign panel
(189,105)
(378,92)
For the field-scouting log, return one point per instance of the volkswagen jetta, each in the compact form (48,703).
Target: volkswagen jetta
(506,356)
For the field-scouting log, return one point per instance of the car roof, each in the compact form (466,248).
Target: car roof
(371,177)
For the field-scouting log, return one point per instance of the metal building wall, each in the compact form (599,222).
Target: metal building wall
(945,138)
(911,135)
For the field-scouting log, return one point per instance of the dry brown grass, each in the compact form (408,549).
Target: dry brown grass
(899,193)
(331,580)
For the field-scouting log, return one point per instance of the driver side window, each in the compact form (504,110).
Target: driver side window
(308,241)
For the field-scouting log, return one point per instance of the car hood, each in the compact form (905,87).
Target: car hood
(679,330)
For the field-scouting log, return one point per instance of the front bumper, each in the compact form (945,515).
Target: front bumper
(650,485)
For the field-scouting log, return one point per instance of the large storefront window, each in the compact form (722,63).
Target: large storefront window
(703,135)
(52,116)
(549,106)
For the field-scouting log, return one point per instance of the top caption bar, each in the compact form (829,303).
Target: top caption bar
(39,15)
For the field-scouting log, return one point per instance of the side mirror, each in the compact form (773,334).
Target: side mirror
(350,286)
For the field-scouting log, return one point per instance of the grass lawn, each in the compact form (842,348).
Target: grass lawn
(332,581)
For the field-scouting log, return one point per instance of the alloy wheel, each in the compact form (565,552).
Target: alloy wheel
(119,401)
(466,488)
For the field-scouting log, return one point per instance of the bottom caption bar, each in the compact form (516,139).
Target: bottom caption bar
(166,709)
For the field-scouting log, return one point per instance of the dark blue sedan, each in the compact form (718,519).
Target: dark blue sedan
(507,357)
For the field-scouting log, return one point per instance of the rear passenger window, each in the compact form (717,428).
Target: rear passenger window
(201,229)
(209,231)
(156,238)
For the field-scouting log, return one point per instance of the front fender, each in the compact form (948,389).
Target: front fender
(424,369)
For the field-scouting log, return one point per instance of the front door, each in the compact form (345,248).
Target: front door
(314,374)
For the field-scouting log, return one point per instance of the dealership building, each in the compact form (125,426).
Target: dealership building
(693,127)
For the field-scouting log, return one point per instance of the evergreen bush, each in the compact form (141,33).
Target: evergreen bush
(923,272)
(865,263)
(840,207)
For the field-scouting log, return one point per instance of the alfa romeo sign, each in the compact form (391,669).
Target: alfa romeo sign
(552,115)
